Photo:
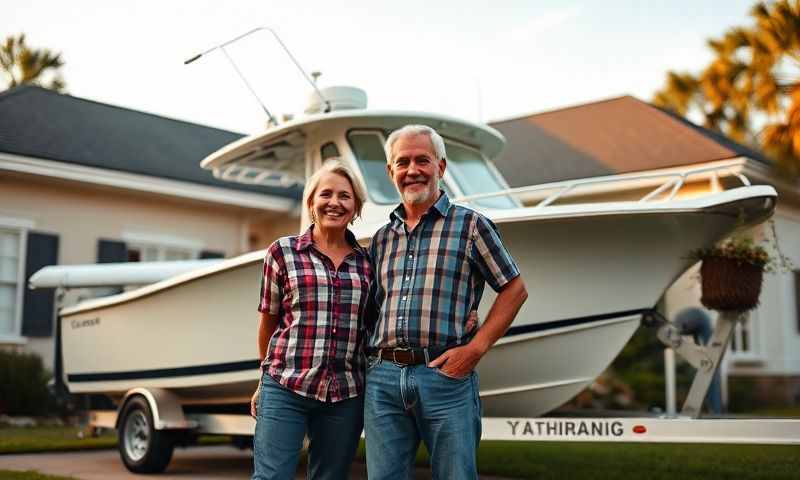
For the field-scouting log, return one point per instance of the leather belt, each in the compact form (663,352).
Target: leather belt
(410,355)
(402,356)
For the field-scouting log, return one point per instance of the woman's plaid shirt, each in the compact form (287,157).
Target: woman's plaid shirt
(428,280)
(318,348)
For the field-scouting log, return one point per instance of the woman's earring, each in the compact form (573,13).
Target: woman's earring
(313,217)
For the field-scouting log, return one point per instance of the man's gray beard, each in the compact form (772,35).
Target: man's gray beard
(420,197)
(417,198)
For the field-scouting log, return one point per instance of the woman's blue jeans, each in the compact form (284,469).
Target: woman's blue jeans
(403,405)
(282,421)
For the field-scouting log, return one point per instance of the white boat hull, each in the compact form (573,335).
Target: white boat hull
(589,276)
(533,373)
(589,281)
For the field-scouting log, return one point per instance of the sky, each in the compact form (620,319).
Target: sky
(480,60)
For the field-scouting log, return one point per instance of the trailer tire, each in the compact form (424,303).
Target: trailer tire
(143,449)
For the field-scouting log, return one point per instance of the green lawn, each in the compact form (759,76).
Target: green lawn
(558,461)
(593,461)
(782,412)
(48,439)
(30,475)
(596,461)
(51,439)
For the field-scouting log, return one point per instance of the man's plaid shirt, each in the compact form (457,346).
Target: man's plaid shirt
(428,280)
(317,349)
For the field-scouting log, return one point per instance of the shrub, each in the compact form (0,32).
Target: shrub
(23,384)
(638,374)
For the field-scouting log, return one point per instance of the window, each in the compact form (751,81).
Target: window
(371,157)
(142,252)
(473,175)
(368,149)
(148,247)
(744,344)
(741,338)
(11,241)
(466,167)
(329,150)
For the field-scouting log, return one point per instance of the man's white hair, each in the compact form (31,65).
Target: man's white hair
(412,130)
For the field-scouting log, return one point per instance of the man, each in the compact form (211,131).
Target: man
(431,262)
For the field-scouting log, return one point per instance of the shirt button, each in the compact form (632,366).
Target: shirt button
(404,298)
(408,277)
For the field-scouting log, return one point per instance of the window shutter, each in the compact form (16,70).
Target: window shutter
(111,251)
(797,296)
(37,308)
(211,254)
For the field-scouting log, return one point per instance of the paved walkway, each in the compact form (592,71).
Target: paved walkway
(201,463)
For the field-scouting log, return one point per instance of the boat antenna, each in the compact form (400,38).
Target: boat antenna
(283,45)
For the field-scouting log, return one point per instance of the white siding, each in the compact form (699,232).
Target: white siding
(773,335)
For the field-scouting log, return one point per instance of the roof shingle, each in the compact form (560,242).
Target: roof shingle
(618,135)
(40,123)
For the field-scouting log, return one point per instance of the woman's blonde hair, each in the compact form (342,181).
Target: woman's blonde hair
(337,166)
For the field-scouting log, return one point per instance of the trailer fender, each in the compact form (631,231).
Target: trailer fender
(166,408)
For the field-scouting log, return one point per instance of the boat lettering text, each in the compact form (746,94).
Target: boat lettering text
(566,428)
(89,322)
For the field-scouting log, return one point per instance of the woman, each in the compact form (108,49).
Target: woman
(310,338)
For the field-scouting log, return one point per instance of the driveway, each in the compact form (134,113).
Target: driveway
(201,463)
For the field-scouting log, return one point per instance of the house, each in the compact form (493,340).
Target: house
(85,182)
(628,136)
(82,182)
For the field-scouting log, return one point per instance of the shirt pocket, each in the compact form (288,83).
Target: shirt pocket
(354,295)
(308,289)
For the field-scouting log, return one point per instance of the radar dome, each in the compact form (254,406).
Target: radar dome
(340,98)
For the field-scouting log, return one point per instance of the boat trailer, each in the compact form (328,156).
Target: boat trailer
(687,427)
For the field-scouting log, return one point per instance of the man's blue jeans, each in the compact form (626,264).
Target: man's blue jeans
(282,421)
(404,405)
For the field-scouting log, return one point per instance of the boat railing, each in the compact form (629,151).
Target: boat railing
(256,176)
(673,180)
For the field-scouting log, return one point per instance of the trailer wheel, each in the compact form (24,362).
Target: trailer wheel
(143,448)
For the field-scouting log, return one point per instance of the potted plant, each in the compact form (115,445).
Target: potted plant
(732,271)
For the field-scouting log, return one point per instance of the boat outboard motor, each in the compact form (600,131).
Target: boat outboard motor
(697,323)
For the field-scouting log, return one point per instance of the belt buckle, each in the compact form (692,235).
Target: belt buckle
(394,355)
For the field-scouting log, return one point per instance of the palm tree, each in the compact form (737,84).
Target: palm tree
(755,74)
(779,34)
(719,94)
(22,64)
(680,94)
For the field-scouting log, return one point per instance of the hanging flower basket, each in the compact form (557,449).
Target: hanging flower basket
(732,272)
(730,283)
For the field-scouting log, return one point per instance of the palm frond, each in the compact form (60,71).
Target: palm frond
(22,64)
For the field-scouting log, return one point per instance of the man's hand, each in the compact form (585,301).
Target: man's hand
(254,402)
(458,362)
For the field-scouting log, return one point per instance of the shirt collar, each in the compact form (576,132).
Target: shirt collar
(306,241)
(441,206)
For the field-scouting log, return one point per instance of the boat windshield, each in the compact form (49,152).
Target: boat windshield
(466,166)
(473,175)
(368,149)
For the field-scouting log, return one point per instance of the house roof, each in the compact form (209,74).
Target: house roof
(41,123)
(619,135)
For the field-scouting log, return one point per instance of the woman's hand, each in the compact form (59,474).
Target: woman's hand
(472,321)
(254,402)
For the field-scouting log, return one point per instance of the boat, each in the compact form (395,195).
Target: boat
(593,269)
